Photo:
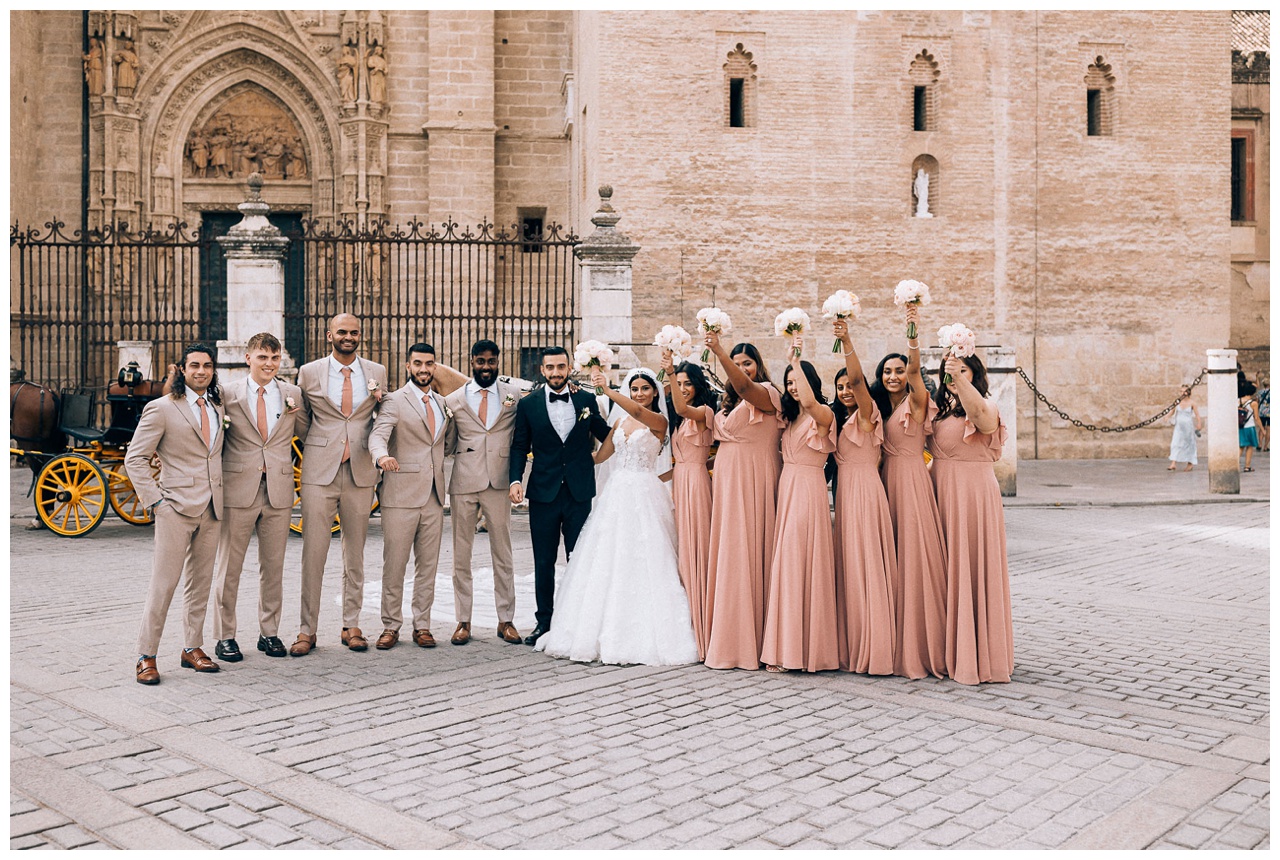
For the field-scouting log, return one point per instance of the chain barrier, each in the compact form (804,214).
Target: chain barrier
(1093,427)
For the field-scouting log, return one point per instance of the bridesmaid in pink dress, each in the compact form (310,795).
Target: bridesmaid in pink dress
(743,506)
(967,438)
(866,559)
(800,614)
(920,590)
(694,404)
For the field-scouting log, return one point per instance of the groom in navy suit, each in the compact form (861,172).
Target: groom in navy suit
(557,424)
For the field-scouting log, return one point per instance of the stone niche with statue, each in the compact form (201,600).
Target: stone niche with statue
(249,132)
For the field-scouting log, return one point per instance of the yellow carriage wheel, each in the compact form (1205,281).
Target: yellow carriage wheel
(124,500)
(71,495)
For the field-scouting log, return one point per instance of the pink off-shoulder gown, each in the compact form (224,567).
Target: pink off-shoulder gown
(979,616)
(691,490)
(866,559)
(800,616)
(920,588)
(743,508)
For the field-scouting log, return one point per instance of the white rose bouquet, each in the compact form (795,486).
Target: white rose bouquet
(842,304)
(959,341)
(911,293)
(677,341)
(716,320)
(792,321)
(592,353)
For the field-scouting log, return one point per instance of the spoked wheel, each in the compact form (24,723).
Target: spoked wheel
(124,500)
(71,495)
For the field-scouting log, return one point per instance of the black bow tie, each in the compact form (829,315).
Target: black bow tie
(562,398)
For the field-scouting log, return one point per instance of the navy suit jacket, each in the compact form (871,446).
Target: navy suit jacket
(556,462)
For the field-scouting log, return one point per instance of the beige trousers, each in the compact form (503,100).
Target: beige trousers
(187,544)
(403,529)
(238,524)
(464,510)
(320,503)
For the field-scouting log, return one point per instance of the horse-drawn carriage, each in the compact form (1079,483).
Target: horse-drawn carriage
(78,468)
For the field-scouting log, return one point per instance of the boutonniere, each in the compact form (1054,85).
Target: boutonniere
(448,413)
(373,386)
(289,406)
(226,423)
(585,413)
(508,401)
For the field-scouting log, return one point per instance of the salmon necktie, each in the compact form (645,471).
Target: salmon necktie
(484,408)
(347,397)
(204,423)
(262,412)
(431,415)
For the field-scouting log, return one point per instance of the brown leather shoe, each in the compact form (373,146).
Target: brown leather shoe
(507,633)
(462,635)
(354,639)
(387,640)
(303,645)
(198,660)
(424,639)
(147,671)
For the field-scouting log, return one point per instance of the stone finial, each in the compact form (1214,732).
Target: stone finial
(255,188)
(606,243)
(254,236)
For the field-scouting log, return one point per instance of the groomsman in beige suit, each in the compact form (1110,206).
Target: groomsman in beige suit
(263,416)
(408,443)
(185,429)
(484,411)
(339,393)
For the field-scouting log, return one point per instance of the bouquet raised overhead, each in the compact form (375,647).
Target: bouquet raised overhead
(911,293)
(592,353)
(716,320)
(677,341)
(792,321)
(841,305)
(959,340)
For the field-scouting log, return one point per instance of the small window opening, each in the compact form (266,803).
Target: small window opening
(921,109)
(531,233)
(737,112)
(1094,107)
(1239,179)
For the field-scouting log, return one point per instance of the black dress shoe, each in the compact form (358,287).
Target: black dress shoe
(533,637)
(272,646)
(227,650)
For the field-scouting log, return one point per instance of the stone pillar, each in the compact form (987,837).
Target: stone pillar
(1002,380)
(255,285)
(139,351)
(604,259)
(1224,436)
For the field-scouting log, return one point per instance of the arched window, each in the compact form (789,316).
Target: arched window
(1100,100)
(924,177)
(924,92)
(739,89)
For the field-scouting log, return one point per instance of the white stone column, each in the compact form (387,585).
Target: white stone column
(254,251)
(605,263)
(139,351)
(1224,431)
(1002,382)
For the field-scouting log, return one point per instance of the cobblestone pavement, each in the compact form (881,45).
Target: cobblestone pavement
(1139,716)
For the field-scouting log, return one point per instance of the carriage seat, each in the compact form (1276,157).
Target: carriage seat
(77,413)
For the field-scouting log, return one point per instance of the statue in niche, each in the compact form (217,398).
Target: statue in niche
(377,64)
(94,74)
(126,69)
(198,153)
(920,188)
(347,73)
(273,157)
(294,160)
(219,153)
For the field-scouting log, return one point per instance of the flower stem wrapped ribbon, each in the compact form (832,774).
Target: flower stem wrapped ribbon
(959,341)
(792,321)
(592,353)
(911,293)
(841,305)
(675,340)
(716,320)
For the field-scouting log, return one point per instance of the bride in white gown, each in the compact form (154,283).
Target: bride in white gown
(621,600)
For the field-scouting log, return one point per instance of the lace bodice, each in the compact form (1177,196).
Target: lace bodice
(637,452)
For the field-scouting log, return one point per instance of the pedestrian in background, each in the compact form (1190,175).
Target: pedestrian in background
(1186,426)
(1248,416)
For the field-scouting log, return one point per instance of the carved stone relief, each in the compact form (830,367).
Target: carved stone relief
(248,133)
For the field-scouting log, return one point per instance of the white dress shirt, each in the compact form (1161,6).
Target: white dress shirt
(560,413)
(275,402)
(473,390)
(214,424)
(359,387)
(422,408)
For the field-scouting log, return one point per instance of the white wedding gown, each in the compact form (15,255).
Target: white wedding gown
(620,600)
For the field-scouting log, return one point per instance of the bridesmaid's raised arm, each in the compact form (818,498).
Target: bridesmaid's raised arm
(447,380)
(861,395)
(653,420)
(819,412)
(699,415)
(748,389)
(981,411)
(919,394)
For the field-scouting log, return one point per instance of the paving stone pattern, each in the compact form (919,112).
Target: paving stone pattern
(1138,717)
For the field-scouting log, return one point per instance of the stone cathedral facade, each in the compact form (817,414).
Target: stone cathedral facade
(1062,180)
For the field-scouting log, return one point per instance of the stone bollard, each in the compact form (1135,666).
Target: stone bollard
(605,260)
(1224,431)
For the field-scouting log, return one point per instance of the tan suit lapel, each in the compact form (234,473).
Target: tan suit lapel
(250,409)
(284,408)
(184,408)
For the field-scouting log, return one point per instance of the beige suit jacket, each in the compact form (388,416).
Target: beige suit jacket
(328,429)
(190,474)
(401,432)
(245,457)
(481,456)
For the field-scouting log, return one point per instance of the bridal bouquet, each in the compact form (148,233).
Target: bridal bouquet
(911,293)
(959,341)
(716,320)
(791,322)
(677,341)
(841,305)
(592,353)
